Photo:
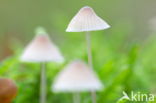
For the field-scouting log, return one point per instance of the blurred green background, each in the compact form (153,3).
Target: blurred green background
(124,55)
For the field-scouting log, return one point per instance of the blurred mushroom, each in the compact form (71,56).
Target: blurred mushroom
(42,50)
(77,77)
(8,90)
(86,20)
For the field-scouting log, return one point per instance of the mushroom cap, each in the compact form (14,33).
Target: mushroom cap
(86,20)
(41,49)
(77,77)
(8,90)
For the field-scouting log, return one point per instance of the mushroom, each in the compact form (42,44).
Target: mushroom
(8,90)
(42,50)
(86,20)
(77,77)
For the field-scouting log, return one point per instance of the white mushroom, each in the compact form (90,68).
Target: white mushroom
(86,20)
(77,77)
(42,49)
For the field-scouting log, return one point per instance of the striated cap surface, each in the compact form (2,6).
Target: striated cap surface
(86,20)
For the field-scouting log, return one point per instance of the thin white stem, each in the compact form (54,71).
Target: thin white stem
(89,51)
(43,84)
(76,98)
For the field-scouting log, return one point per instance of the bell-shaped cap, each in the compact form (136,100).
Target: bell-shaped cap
(86,20)
(41,49)
(8,90)
(77,77)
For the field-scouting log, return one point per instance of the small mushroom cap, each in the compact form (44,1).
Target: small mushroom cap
(8,90)
(86,20)
(77,77)
(41,49)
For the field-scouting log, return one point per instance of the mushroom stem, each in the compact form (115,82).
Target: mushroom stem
(76,98)
(43,83)
(93,94)
(89,51)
